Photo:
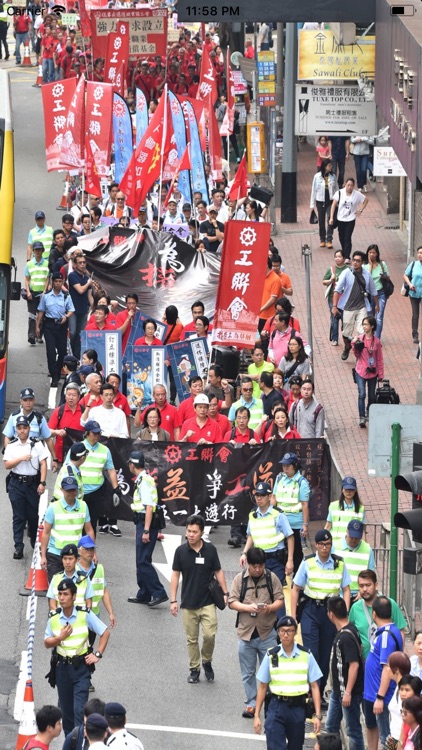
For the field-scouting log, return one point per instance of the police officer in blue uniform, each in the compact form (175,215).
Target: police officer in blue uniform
(288,671)
(55,309)
(320,575)
(72,661)
(38,427)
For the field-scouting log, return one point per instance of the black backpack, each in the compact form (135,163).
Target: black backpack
(386,394)
(244,588)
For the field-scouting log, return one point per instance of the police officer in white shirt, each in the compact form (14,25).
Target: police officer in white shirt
(26,459)
(121,738)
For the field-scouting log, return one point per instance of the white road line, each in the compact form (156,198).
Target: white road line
(52,395)
(170,544)
(190,730)
(20,688)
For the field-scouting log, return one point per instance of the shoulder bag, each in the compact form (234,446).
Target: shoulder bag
(313,219)
(216,593)
(387,284)
(405,288)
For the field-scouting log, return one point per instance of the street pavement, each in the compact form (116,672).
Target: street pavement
(145,666)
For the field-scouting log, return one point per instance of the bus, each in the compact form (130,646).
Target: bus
(7,201)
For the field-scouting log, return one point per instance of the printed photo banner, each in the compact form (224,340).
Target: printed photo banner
(137,328)
(108,345)
(215,480)
(144,368)
(188,358)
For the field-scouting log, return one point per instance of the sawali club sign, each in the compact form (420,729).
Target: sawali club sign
(321,57)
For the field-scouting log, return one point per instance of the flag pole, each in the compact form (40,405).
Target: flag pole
(163,141)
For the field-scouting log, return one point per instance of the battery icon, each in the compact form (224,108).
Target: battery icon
(402,10)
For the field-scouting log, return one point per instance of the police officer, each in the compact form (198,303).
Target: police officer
(268,528)
(356,553)
(320,575)
(64,522)
(27,461)
(120,738)
(38,427)
(77,456)
(96,731)
(145,499)
(36,283)
(54,310)
(288,671)
(291,494)
(98,460)
(67,634)
(95,572)
(70,572)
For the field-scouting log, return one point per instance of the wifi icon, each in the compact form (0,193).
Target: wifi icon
(58,9)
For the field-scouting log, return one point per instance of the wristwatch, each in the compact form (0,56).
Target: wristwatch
(380,697)
(318,716)
(43,483)
(98,654)
(146,531)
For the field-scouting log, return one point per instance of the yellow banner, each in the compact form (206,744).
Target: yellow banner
(320,56)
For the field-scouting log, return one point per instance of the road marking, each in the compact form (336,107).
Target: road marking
(20,688)
(190,730)
(170,543)
(52,395)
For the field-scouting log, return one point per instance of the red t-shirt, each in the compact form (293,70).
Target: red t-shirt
(239,438)
(168,417)
(210,431)
(185,411)
(21,24)
(223,423)
(84,401)
(291,434)
(143,342)
(110,325)
(69,419)
(120,402)
(121,317)
(34,744)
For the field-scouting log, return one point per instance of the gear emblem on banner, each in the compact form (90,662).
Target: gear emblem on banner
(248,236)
(172,454)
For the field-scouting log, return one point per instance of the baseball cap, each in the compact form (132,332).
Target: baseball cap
(92,426)
(27,393)
(201,398)
(22,420)
(172,200)
(263,488)
(96,721)
(349,483)
(114,709)
(355,528)
(69,483)
(323,535)
(210,209)
(136,458)
(78,450)
(39,215)
(289,458)
(186,206)
(286,622)
(87,542)
(38,246)
(69,549)
(85,370)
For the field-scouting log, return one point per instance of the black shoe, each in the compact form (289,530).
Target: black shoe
(362,422)
(158,600)
(54,382)
(209,672)
(31,341)
(345,354)
(194,676)
(135,600)
(39,340)
(7,57)
(18,554)
(416,339)
(115,531)
(249,712)
(234,542)
(103,529)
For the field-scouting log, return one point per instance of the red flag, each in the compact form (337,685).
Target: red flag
(184,163)
(117,57)
(215,146)
(207,90)
(228,120)
(242,276)
(239,188)
(56,98)
(72,147)
(84,19)
(146,162)
(99,105)
(92,178)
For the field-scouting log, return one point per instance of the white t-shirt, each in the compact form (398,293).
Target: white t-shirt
(112,421)
(348,204)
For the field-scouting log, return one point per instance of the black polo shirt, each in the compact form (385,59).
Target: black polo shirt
(196,575)
(269,400)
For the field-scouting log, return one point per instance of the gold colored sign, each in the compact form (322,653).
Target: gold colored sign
(320,56)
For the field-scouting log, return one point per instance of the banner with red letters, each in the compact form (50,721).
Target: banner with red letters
(73,142)
(243,269)
(56,98)
(117,57)
(147,30)
(99,104)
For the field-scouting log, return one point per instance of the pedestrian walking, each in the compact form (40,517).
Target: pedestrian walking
(369,369)
(67,634)
(145,501)
(346,672)
(199,564)
(380,273)
(291,494)
(324,188)
(256,595)
(36,283)
(289,672)
(26,459)
(348,507)
(349,203)
(330,279)
(357,554)
(361,153)
(54,310)
(353,296)
(49,726)
(413,281)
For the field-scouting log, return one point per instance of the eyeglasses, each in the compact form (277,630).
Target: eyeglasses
(247,390)
(120,199)
(288,631)
(324,544)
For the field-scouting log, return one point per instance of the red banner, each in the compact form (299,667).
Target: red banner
(145,164)
(207,91)
(92,179)
(239,188)
(242,275)
(117,57)
(147,30)
(84,19)
(72,151)
(99,104)
(56,98)
(228,121)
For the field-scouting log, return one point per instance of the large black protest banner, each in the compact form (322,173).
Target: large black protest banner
(216,480)
(161,268)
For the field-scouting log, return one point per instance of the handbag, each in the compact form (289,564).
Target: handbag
(387,284)
(313,219)
(405,288)
(335,218)
(216,593)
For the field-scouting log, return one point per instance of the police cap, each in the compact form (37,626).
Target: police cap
(85,370)
(323,535)
(96,721)
(114,709)
(56,275)
(27,393)
(349,483)
(67,585)
(286,622)
(70,359)
(69,483)
(263,488)
(39,215)
(69,549)
(22,420)
(137,459)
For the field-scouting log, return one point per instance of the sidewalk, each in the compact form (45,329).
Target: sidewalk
(335,388)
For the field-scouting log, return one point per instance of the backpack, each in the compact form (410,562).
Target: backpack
(233,433)
(244,588)
(386,394)
(316,412)
(61,412)
(37,414)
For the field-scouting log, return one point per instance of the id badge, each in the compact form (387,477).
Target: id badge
(199,561)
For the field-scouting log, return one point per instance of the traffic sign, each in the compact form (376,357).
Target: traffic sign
(381,419)
(333,110)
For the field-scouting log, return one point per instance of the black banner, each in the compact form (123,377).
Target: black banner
(216,480)
(161,268)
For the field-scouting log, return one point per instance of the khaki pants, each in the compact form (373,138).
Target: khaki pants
(192,619)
